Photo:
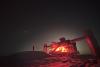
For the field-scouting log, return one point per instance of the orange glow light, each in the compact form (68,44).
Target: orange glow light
(61,49)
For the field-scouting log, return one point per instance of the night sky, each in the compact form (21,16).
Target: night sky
(27,23)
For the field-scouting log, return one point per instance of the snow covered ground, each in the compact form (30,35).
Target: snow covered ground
(66,62)
(41,59)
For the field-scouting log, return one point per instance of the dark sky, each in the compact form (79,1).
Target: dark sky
(25,23)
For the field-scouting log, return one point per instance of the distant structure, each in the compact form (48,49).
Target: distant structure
(69,46)
(33,47)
